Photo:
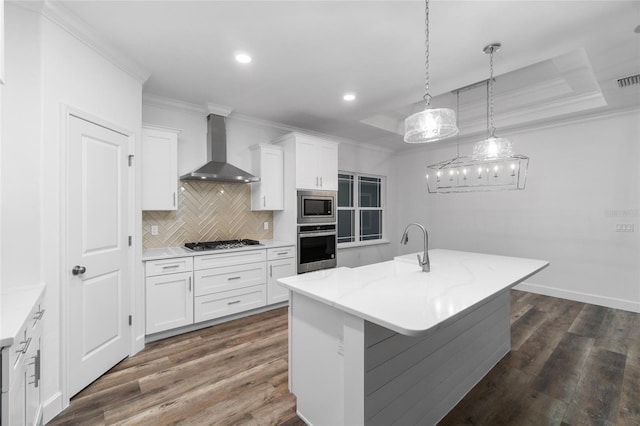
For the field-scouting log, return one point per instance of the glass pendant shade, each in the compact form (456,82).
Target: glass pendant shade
(492,148)
(430,125)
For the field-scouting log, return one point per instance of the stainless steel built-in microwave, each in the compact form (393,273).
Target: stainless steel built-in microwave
(316,207)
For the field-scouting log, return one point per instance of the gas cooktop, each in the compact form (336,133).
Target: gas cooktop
(221,244)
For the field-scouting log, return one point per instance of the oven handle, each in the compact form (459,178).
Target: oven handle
(315,234)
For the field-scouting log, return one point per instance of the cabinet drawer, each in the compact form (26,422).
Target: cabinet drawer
(230,302)
(281,253)
(216,280)
(229,259)
(168,266)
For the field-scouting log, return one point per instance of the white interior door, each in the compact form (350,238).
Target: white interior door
(97,240)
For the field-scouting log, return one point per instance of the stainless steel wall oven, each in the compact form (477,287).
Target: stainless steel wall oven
(317,246)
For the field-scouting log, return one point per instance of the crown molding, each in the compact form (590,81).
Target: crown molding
(64,18)
(217,109)
(157,101)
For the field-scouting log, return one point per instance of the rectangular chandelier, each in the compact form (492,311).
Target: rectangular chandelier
(464,174)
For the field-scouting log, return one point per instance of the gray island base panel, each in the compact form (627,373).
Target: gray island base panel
(363,353)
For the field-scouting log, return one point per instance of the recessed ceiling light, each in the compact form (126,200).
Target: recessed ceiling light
(243,58)
(349,97)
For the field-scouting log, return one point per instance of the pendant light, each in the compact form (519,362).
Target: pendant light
(468,174)
(431,124)
(492,147)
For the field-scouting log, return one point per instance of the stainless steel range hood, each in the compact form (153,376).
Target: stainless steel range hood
(217,169)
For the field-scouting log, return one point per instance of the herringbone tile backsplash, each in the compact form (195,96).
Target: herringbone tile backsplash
(207,211)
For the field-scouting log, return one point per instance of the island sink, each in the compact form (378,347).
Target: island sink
(386,343)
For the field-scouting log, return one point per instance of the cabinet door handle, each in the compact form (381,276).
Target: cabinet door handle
(38,315)
(264,201)
(281,253)
(317,181)
(233,303)
(320,181)
(170,266)
(25,346)
(271,270)
(189,284)
(174,199)
(38,367)
(233,278)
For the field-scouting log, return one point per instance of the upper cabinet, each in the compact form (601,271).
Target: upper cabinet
(316,164)
(159,168)
(267,163)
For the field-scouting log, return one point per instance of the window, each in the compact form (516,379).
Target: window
(360,207)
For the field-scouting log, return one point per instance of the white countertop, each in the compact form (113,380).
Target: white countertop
(399,296)
(16,305)
(169,252)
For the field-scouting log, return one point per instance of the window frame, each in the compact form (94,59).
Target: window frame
(357,209)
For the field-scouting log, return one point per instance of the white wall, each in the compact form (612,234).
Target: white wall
(581,175)
(375,161)
(47,69)
(21,150)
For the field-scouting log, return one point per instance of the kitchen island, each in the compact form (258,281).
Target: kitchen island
(387,343)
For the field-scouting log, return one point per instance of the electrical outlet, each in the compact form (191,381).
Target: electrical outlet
(266,225)
(154,229)
(625,227)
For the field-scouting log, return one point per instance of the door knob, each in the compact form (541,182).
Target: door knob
(78,270)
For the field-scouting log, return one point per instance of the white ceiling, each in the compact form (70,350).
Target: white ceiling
(306,54)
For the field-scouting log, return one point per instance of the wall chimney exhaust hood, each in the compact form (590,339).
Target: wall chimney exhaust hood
(217,169)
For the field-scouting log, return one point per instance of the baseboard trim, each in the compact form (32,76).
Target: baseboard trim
(594,299)
(138,344)
(52,407)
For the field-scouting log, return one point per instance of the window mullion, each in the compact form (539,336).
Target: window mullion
(356,205)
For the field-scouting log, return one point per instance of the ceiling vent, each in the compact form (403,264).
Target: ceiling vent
(629,81)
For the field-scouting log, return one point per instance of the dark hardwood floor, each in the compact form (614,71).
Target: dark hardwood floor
(570,364)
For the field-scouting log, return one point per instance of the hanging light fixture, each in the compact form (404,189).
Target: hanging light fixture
(496,172)
(492,147)
(431,124)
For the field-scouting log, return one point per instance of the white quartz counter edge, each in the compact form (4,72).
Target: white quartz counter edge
(397,295)
(16,304)
(170,252)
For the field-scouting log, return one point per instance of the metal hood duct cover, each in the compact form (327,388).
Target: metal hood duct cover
(217,169)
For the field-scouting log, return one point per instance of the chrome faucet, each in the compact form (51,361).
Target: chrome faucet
(424,262)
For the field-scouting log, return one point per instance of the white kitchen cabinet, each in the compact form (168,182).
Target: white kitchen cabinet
(219,305)
(159,168)
(228,283)
(281,263)
(316,164)
(21,396)
(169,296)
(268,164)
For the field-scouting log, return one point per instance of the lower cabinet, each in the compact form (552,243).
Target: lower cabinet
(236,284)
(187,290)
(218,305)
(169,301)
(282,265)
(21,396)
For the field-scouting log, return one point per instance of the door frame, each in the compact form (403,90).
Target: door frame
(67,112)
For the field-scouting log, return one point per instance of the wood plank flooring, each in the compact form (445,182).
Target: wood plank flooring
(570,364)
